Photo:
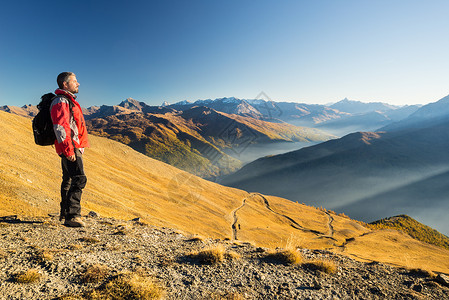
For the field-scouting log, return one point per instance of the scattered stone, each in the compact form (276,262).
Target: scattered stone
(164,255)
(417,288)
(136,220)
(92,214)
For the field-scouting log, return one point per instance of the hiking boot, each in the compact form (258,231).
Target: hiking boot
(74,222)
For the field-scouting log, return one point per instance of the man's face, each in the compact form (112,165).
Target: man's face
(72,85)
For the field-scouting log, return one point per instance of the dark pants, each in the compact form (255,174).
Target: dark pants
(73,182)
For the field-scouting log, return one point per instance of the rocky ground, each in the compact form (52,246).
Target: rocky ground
(64,258)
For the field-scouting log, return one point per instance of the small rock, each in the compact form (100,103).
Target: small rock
(443,279)
(409,283)
(418,288)
(136,220)
(377,291)
(92,214)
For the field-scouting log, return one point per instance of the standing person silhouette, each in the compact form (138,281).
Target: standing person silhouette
(71,139)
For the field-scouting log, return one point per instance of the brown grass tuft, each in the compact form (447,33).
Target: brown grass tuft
(287,257)
(196,238)
(71,297)
(95,274)
(129,286)
(422,273)
(214,254)
(75,247)
(231,255)
(225,296)
(210,255)
(323,265)
(89,240)
(30,276)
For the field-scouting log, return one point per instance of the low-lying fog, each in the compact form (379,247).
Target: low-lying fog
(252,152)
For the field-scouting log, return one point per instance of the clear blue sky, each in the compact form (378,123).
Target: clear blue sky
(315,51)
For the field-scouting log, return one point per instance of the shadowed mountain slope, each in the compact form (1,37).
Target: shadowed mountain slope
(340,173)
(125,184)
(425,199)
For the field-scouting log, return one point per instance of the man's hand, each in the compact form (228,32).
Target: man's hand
(71,158)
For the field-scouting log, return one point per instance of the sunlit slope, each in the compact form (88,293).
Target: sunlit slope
(125,184)
(122,183)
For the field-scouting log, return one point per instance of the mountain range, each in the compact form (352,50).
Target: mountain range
(198,139)
(125,184)
(368,175)
(213,138)
(339,118)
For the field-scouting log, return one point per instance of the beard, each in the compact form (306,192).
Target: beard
(74,90)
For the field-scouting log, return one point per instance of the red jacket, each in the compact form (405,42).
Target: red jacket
(70,130)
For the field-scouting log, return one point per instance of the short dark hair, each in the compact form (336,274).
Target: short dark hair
(63,77)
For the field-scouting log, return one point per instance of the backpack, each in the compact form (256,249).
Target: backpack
(44,134)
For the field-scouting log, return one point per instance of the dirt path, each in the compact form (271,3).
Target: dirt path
(293,223)
(330,234)
(235,225)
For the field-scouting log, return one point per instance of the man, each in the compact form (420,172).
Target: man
(71,139)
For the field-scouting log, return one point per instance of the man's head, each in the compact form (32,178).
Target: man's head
(68,82)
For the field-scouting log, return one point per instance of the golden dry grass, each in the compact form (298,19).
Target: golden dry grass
(285,256)
(232,255)
(44,255)
(125,184)
(423,273)
(399,249)
(89,240)
(75,247)
(30,276)
(214,254)
(323,265)
(210,255)
(95,274)
(129,286)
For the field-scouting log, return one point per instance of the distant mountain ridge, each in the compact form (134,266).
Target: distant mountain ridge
(24,111)
(428,115)
(358,107)
(339,118)
(198,139)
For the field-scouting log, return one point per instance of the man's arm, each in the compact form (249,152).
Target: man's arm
(60,114)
